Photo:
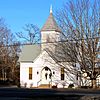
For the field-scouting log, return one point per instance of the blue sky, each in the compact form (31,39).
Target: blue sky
(17,13)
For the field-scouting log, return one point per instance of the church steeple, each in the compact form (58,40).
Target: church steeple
(51,9)
(50,32)
(50,24)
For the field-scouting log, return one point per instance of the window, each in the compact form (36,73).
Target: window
(30,73)
(62,73)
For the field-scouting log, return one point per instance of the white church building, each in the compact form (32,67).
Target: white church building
(38,68)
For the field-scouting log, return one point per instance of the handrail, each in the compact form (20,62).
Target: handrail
(38,82)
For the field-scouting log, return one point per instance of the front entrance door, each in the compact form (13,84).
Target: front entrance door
(46,75)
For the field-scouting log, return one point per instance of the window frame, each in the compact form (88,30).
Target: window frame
(30,73)
(62,74)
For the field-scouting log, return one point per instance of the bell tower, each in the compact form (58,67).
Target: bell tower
(50,32)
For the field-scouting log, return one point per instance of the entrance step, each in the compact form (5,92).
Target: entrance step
(44,86)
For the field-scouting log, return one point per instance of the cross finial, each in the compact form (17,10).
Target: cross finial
(51,9)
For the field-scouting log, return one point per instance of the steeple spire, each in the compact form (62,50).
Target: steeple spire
(51,24)
(51,9)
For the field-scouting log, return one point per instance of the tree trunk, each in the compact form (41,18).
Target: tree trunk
(94,83)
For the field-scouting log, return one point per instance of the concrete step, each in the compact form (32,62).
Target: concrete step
(44,86)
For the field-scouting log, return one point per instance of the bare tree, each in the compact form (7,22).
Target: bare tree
(8,52)
(14,56)
(31,34)
(80,40)
(4,52)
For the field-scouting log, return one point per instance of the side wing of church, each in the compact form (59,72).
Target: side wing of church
(38,68)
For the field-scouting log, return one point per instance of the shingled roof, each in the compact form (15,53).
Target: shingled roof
(30,53)
(51,24)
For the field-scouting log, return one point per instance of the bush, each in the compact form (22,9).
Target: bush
(71,86)
(25,84)
(4,82)
(84,87)
(54,86)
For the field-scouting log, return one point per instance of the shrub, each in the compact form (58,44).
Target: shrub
(54,86)
(71,86)
(85,87)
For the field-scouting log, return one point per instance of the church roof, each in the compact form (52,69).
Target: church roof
(51,24)
(30,53)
